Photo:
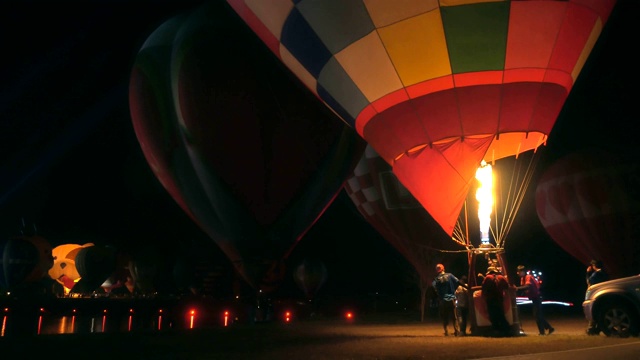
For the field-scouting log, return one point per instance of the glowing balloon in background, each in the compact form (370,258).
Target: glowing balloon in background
(95,264)
(246,151)
(64,269)
(589,203)
(435,87)
(45,257)
(387,205)
(144,270)
(309,276)
(25,262)
(19,258)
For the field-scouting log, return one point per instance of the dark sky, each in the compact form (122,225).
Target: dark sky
(71,164)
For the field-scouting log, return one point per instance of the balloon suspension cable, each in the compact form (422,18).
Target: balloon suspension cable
(504,209)
(518,184)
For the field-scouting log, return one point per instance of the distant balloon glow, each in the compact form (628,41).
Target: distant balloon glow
(484,195)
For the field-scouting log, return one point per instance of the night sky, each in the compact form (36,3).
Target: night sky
(71,163)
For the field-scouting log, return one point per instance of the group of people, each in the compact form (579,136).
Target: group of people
(453,298)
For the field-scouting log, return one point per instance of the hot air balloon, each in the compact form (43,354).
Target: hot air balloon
(243,148)
(64,269)
(144,266)
(588,202)
(95,264)
(19,259)
(26,259)
(436,87)
(45,257)
(309,276)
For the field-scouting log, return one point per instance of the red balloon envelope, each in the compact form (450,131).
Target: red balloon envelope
(588,202)
(435,87)
(242,147)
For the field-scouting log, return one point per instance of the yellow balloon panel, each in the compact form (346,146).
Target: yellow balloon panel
(365,57)
(418,48)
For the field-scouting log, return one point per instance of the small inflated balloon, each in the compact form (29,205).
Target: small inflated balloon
(45,257)
(64,264)
(95,265)
(310,275)
(20,260)
(143,267)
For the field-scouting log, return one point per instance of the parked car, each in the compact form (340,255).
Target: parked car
(615,306)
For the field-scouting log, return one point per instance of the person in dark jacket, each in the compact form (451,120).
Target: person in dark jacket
(445,285)
(595,274)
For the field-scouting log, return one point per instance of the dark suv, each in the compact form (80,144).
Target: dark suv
(615,306)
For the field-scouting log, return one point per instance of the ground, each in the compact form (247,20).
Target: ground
(374,337)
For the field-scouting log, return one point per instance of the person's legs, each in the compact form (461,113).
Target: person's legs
(539,316)
(498,320)
(453,318)
(493,308)
(592,328)
(444,316)
(463,315)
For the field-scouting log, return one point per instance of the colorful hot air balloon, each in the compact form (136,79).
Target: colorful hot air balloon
(588,202)
(246,151)
(436,86)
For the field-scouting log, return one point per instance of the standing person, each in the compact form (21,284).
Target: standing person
(595,274)
(462,305)
(445,285)
(494,287)
(532,289)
